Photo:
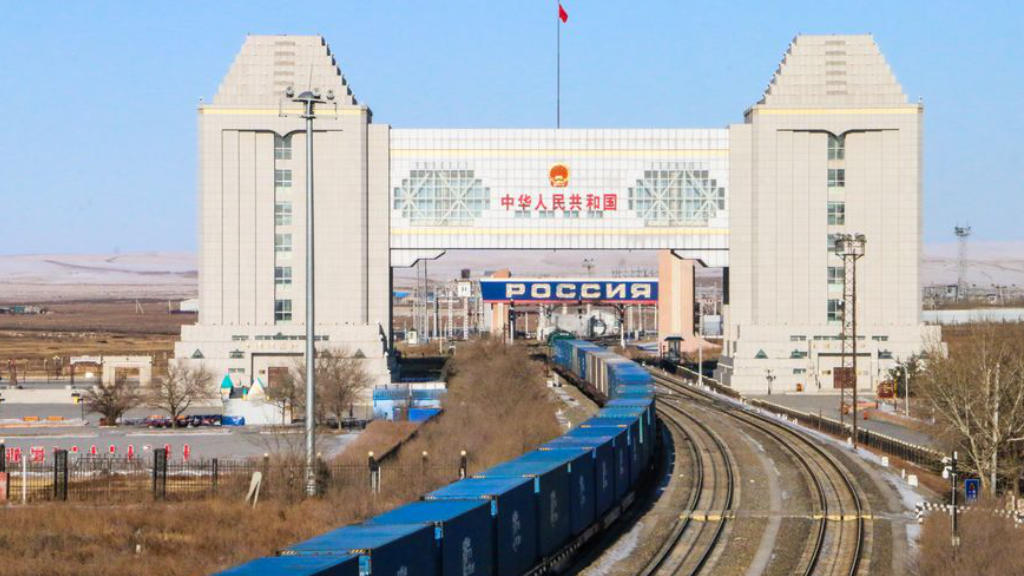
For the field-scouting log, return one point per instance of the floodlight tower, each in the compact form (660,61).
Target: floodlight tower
(309,99)
(850,247)
(962,233)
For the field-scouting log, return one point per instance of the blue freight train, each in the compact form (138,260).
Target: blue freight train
(515,516)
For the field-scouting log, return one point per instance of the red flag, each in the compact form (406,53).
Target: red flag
(562,14)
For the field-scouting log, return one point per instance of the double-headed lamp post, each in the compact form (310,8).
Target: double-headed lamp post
(309,99)
(850,247)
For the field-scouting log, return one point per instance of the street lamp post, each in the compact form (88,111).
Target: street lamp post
(770,378)
(851,248)
(309,99)
(700,344)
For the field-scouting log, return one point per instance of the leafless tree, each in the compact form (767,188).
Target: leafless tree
(287,393)
(182,387)
(340,378)
(977,392)
(112,400)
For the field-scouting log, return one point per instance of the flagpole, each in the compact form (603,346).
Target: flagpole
(558,75)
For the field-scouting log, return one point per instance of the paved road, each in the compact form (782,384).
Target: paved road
(828,405)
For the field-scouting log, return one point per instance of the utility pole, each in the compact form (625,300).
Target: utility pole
(962,234)
(951,470)
(995,434)
(309,99)
(700,349)
(851,248)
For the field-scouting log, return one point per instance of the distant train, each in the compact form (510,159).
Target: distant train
(517,516)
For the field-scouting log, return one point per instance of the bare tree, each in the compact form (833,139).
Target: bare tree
(339,380)
(287,393)
(112,400)
(977,392)
(179,389)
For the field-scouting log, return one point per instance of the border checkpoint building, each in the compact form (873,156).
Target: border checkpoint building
(832,146)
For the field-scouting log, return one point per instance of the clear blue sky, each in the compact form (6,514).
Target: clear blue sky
(98,134)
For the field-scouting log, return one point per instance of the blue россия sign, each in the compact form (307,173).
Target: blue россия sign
(596,290)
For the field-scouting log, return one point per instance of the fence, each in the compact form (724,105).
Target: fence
(110,479)
(921,455)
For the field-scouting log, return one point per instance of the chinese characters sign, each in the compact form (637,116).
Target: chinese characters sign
(560,202)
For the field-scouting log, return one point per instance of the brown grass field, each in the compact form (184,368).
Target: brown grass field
(89,328)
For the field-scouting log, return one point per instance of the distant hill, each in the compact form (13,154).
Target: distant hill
(56,277)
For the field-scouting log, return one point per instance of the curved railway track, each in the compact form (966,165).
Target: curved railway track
(688,548)
(839,532)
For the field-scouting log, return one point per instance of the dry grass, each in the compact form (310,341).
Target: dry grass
(989,545)
(174,539)
(497,408)
(380,437)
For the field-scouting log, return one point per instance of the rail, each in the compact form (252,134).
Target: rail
(773,429)
(923,456)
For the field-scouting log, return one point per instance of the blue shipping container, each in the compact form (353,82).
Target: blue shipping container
(298,566)
(620,453)
(603,449)
(514,510)
(551,486)
(405,548)
(632,424)
(582,495)
(464,531)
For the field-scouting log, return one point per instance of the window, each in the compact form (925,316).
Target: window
(833,241)
(283,244)
(282,147)
(283,213)
(674,194)
(283,275)
(442,197)
(836,178)
(282,310)
(799,370)
(797,338)
(283,178)
(835,310)
(835,276)
(836,213)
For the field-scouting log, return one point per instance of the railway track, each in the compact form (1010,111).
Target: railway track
(696,533)
(839,534)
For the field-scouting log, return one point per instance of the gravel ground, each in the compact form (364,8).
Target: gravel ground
(773,525)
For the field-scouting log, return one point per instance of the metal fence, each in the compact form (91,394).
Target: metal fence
(921,455)
(101,479)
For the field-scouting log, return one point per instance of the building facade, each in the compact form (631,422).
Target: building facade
(832,147)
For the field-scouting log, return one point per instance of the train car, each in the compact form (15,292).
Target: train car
(602,450)
(646,434)
(621,456)
(396,549)
(632,427)
(514,513)
(297,566)
(581,482)
(551,487)
(464,533)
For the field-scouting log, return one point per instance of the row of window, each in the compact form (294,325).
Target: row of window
(836,217)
